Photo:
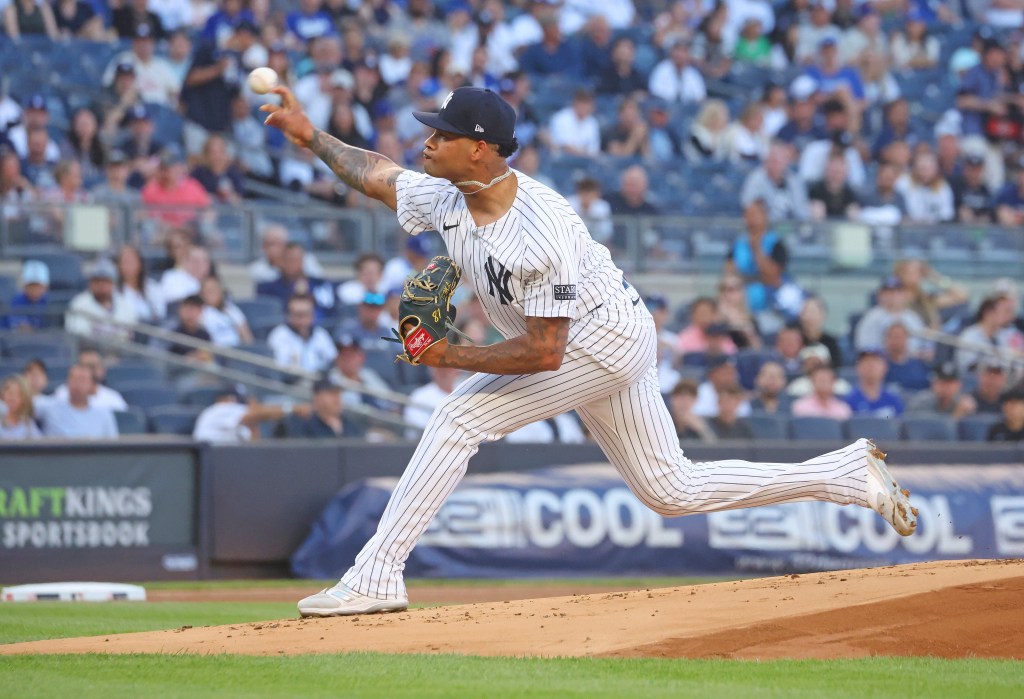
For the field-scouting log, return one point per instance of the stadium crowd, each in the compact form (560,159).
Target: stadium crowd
(884,112)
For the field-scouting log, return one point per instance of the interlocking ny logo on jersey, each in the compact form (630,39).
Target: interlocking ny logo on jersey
(498,280)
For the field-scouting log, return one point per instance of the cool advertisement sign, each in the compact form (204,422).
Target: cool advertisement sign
(56,507)
(583,520)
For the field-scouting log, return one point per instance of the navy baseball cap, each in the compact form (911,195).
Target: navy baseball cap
(476,113)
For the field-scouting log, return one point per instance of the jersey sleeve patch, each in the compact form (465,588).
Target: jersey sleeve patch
(565,292)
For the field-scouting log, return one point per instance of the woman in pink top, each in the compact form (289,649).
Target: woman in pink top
(822,401)
(695,338)
(176,195)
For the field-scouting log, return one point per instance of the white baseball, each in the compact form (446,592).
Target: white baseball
(262,80)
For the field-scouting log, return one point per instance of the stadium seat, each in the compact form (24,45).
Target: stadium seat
(874,428)
(44,345)
(974,428)
(173,419)
(202,397)
(148,395)
(820,428)
(8,287)
(130,372)
(131,421)
(65,270)
(695,359)
(384,364)
(748,363)
(765,426)
(262,308)
(928,429)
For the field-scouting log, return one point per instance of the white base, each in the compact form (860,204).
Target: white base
(74,592)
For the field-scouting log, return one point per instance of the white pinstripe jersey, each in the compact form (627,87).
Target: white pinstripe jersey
(537,260)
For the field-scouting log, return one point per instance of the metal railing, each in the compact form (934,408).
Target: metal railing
(638,243)
(296,384)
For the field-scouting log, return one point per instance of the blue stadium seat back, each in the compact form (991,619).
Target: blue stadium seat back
(815,428)
(8,288)
(9,367)
(262,309)
(149,395)
(974,428)
(173,419)
(131,372)
(56,373)
(260,350)
(880,429)
(695,359)
(748,363)
(849,356)
(46,347)
(131,421)
(65,270)
(646,58)
(852,320)
(770,427)
(383,362)
(749,76)
(928,429)
(167,124)
(202,397)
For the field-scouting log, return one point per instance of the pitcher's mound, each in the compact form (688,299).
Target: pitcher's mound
(947,609)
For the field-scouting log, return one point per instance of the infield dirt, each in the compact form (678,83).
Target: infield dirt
(951,609)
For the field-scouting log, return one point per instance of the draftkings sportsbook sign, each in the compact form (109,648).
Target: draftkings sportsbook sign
(95,501)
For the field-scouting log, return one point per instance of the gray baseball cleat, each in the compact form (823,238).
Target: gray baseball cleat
(342,600)
(885,496)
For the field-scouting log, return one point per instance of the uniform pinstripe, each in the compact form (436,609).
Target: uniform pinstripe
(608,375)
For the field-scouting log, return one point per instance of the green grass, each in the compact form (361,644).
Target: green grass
(39,620)
(446,677)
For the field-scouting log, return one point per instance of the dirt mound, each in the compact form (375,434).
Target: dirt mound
(948,609)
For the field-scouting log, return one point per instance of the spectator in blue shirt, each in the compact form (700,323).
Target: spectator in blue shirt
(28,305)
(551,55)
(803,126)
(906,371)
(869,396)
(1010,201)
(309,21)
(294,281)
(222,23)
(832,76)
(982,91)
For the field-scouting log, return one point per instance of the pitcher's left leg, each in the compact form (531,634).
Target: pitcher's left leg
(636,432)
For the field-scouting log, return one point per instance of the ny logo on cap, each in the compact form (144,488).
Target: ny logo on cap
(447,100)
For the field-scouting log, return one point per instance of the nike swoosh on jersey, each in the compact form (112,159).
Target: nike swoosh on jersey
(448,228)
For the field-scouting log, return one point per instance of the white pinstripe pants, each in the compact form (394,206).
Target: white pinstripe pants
(609,376)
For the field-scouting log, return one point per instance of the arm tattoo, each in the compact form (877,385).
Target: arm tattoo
(354,166)
(520,355)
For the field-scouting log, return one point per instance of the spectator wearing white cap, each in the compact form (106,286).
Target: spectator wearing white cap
(101,311)
(801,127)
(27,308)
